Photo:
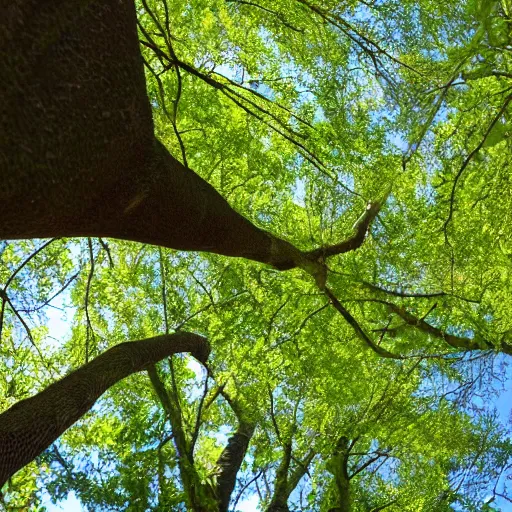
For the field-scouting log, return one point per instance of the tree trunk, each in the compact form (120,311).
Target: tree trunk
(339,465)
(230,461)
(77,146)
(199,496)
(279,501)
(30,426)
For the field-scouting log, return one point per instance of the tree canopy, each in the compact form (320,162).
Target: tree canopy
(356,361)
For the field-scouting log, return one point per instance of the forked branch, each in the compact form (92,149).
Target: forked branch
(359,231)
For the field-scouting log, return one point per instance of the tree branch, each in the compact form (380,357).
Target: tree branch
(197,426)
(358,329)
(382,507)
(30,426)
(459,342)
(279,16)
(89,328)
(280,495)
(300,471)
(356,239)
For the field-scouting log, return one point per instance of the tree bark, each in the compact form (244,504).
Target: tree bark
(339,465)
(230,461)
(30,426)
(78,149)
(77,142)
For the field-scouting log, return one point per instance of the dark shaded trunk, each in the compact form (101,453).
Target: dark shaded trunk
(77,148)
(30,426)
(230,461)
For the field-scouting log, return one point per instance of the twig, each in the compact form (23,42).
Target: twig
(164,289)
(47,301)
(468,159)
(270,11)
(272,415)
(197,425)
(301,326)
(27,329)
(243,489)
(107,250)
(346,27)
(27,260)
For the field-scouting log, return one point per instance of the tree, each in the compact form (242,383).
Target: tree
(422,283)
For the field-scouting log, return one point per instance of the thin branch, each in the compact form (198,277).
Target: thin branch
(301,326)
(89,328)
(106,248)
(264,98)
(243,489)
(370,461)
(414,146)
(386,505)
(270,11)
(346,28)
(164,288)
(3,296)
(273,317)
(301,469)
(468,160)
(5,299)
(174,62)
(403,294)
(26,261)
(273,417)
(458,342)
(358,329)
(418,295)
(202,286)
(208,306)
(47,301)
(197,426)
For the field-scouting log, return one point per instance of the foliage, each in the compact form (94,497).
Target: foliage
(298,113)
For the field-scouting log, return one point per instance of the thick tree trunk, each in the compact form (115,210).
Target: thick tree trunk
(30,426)
(77,149)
